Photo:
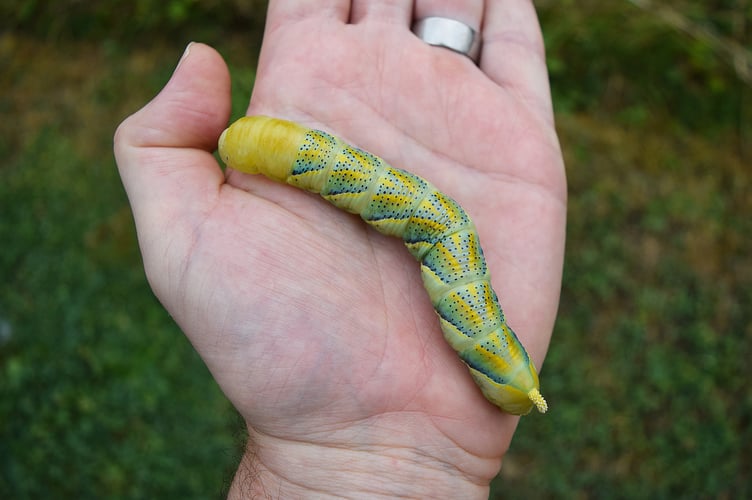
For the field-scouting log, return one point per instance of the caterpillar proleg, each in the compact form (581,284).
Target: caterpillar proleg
(435,229)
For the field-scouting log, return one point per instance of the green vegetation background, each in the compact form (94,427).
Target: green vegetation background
(647,375)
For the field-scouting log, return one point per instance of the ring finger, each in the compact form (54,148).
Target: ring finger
(467,12)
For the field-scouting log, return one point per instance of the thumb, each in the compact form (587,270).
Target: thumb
(189,113)
(164,150)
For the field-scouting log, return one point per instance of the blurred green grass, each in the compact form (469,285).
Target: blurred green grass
(102,396)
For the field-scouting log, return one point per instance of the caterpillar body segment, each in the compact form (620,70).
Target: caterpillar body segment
(435,229)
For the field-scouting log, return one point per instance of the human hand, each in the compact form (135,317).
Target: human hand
(316,327)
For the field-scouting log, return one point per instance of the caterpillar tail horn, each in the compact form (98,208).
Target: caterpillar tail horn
(538,400)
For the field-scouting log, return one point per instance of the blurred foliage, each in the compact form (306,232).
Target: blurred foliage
(127,20)
(613,58)
(102,396)
(647,373)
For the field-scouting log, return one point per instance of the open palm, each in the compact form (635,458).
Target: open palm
(315,326)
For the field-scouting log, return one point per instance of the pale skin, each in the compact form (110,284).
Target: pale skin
(316,327)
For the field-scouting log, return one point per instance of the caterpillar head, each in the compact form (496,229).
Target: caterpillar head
(260,144)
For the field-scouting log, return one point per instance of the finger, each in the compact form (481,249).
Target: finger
(387,11)
(469,12)
(513,53)
(163,151)
(283,11)
(188,109)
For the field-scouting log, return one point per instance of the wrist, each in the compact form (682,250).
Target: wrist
(355,468)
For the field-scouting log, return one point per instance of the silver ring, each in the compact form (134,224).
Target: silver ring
(448,33)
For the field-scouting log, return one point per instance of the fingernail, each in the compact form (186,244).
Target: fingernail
(185,55)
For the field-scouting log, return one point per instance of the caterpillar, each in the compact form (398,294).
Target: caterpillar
(435,229)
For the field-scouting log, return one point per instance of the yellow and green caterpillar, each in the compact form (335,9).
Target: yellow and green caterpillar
(436,231)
